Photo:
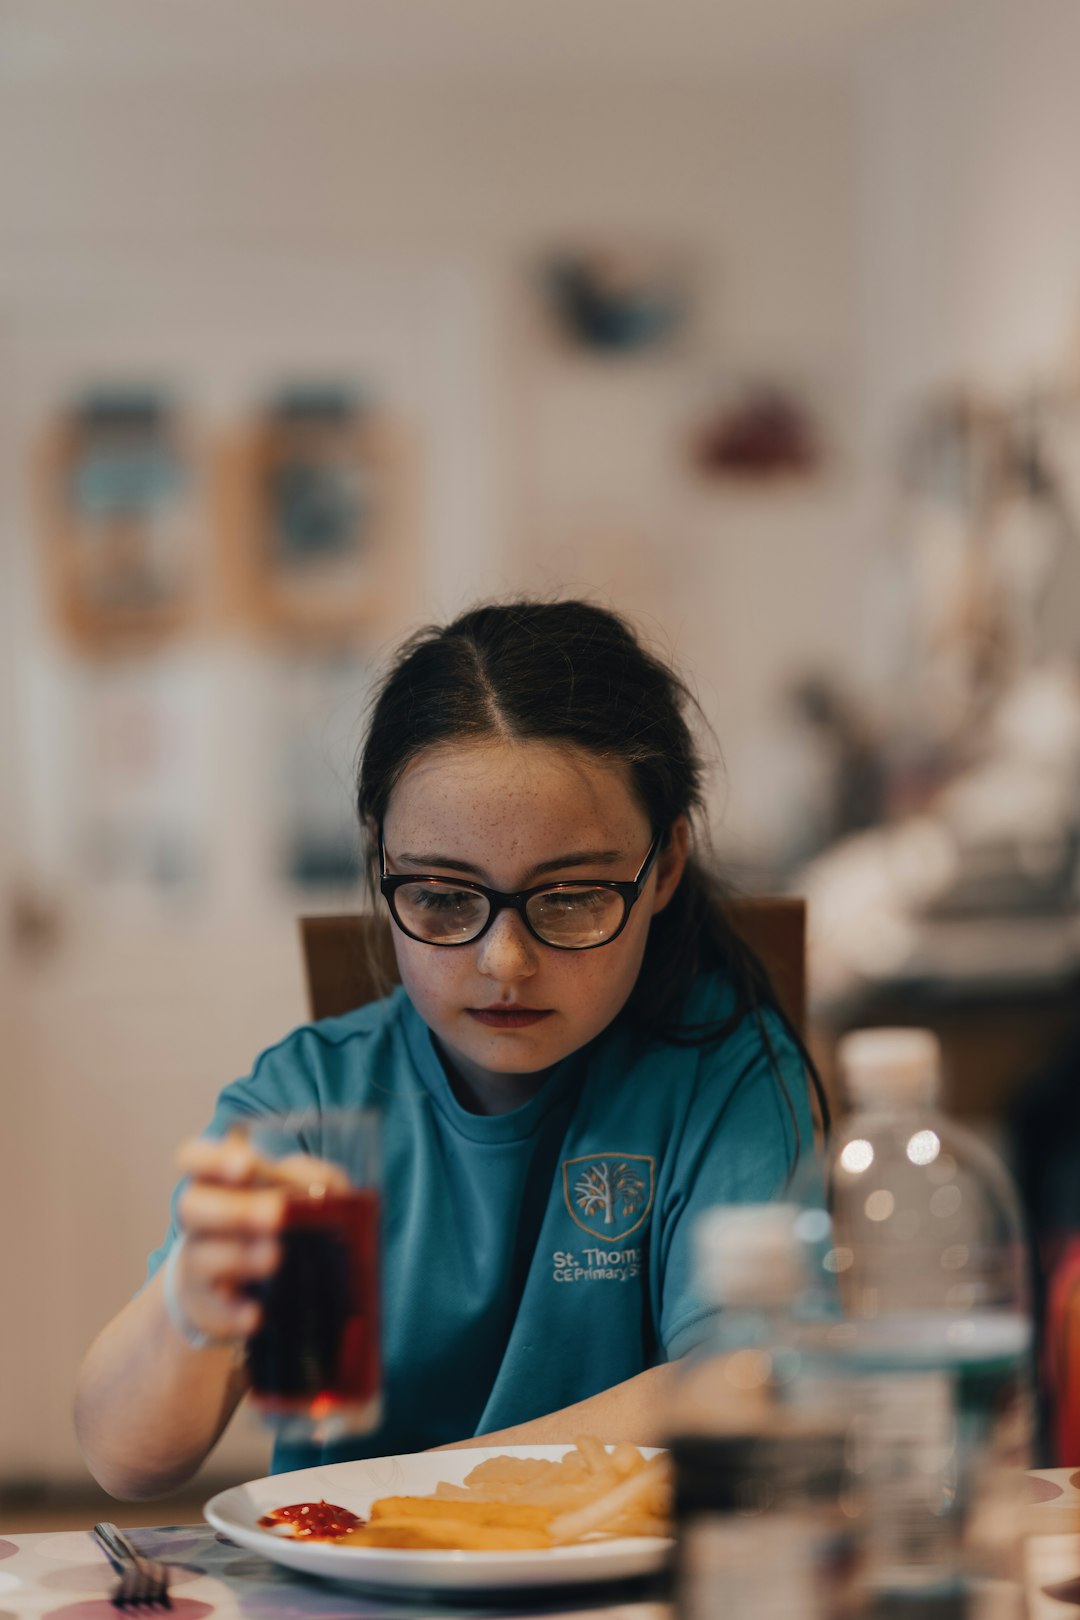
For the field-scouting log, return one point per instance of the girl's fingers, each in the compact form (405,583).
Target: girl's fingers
(231,1210)
(303,1173)
(211,1280)
(231,1161)
(206,1210)
(224,1262)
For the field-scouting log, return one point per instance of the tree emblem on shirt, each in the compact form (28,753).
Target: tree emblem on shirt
(609,1194)
(604,1184)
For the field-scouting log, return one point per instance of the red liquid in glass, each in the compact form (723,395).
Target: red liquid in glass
(316,1351)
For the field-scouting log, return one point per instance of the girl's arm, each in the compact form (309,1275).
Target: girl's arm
(148,1407)
(635,1410)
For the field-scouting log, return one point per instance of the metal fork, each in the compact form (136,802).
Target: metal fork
(144,1583)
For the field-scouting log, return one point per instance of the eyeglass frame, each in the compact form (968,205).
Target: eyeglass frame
(629,891)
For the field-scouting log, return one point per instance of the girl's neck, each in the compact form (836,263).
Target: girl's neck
(479,1091)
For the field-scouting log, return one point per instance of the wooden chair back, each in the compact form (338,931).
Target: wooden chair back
(339,952)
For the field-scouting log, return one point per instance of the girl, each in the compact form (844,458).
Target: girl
(581,1056)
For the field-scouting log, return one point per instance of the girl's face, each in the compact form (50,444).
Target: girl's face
(512,815)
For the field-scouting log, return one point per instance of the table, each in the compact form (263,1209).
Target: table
(62,1576)
(1052,1561)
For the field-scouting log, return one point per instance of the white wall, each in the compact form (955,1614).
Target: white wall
(185,201)
(970,256)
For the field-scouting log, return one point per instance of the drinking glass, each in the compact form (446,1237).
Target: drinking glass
(314,1359)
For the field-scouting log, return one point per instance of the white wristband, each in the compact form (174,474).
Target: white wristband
(187,1330)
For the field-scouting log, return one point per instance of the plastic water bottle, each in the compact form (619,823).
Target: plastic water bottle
(933,1335)
(764,1526)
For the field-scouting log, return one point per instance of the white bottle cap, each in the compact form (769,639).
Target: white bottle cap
(890,1067)
(748,1254)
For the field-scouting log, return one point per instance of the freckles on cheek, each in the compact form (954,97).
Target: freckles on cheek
(432,981)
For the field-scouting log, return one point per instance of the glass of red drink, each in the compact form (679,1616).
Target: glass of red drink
(314,1358)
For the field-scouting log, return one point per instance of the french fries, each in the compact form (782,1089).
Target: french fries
(512,1503)
(606,1513)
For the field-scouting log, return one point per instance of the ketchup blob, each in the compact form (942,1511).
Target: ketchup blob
(313,1521)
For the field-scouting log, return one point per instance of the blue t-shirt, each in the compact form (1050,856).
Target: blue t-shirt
(534,1258)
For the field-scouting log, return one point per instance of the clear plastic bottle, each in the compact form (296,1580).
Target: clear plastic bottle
(934,1333)
(764,1522)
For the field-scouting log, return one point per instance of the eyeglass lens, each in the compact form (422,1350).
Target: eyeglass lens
(443,914)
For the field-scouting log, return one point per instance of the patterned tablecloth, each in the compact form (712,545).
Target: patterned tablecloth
(1053,1545)
(63,1576)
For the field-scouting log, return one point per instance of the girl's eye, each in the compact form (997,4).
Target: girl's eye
(444,900)
(440,912)
(570,902)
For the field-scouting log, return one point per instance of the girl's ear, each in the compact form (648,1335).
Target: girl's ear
(670,863)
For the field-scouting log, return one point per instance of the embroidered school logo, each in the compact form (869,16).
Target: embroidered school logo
(609,1195)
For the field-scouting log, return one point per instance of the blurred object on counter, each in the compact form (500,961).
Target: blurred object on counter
(819,769)
(766,433)
(1045,1127)
(998,845)
(972,879)
(1015,814)
(123,519)
(318,528)
(1060,1359)
(989,532)
(845,736)
(616,300)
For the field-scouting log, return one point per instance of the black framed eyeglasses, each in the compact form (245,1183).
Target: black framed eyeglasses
(576,915)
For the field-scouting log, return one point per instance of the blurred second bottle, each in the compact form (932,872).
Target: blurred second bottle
(932,1337)
(852,1435)
(766,1522)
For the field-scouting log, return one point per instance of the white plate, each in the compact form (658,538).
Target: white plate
(355,1485)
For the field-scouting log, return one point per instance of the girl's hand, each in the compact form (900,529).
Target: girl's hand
(231,1212)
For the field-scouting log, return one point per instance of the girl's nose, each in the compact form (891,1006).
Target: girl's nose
(507,950)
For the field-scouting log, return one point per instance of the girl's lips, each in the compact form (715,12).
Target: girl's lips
(508,1017)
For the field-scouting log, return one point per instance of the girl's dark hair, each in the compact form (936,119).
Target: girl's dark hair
(570,672)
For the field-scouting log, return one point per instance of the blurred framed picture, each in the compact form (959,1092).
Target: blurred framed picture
(761,433)
(121,500)
(315,703)
(135,752)
(616,298)
(316,526)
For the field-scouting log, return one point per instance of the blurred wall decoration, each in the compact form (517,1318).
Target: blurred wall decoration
(318,515)
(299,528)
(766,433)
(123,505)
(616,300)
(138,781)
